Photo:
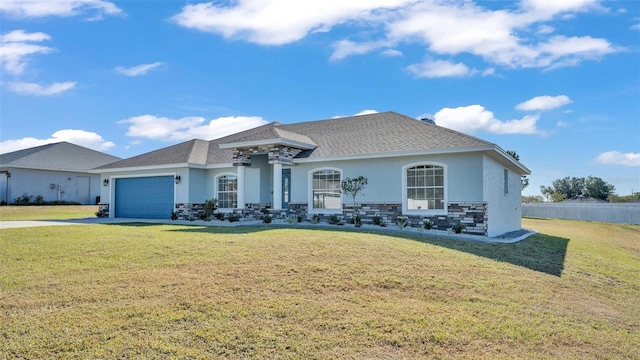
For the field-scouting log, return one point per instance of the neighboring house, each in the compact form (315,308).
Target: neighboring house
(58,171)
(415,169)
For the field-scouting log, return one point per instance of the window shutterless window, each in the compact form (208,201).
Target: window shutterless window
(425,187)
(326,190)
(227,192)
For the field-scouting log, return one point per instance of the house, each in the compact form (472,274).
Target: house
(58,171)
(415,169)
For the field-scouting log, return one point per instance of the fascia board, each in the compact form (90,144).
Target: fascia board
(142,168)
(509,159)
(280,141)
(396,154)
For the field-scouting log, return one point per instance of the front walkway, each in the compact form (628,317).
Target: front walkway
(504,239)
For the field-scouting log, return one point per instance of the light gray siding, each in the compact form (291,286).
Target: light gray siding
(505,210)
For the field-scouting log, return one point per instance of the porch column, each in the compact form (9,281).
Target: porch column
(277,186)
(240,174)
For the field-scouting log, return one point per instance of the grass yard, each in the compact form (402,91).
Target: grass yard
(49,212)
(167,291)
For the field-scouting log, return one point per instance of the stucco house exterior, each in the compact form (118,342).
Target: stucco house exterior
(57,171)
(415,169)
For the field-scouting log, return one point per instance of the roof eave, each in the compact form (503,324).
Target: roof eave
(146,167)
(279,141)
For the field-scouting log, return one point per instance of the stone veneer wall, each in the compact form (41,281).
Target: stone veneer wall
(473,215)
(275,153)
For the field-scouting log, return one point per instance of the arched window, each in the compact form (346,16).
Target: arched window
(325,189)
(227,191)
(425,188)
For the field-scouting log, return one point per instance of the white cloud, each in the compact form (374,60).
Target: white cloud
(43,8)
(439,68)
(344,48)
(474,118)
(192,127)
(509,37)
(139,69)
(366,112)
(84,138)
(363,112)
(37,89)
(391,53)
(271,23)
(618,158)
(545,102)
(556,7)
(635,27)
(16,46)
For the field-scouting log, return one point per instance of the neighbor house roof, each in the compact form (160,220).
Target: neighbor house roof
(386,133)
(61,156)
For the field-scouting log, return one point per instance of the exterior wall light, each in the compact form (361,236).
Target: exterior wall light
(177,178)
(105,182)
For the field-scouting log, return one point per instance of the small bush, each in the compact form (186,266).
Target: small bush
(219,216)
(174,215)
(402,223)
(357,221)
(292,219)
(315,218)
(267,219)
(39,200)
(334,220)
(377,220)
(24,199)
(233,218)
(457,228)
(427,224)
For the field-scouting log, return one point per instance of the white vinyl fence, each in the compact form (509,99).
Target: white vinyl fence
(614,213)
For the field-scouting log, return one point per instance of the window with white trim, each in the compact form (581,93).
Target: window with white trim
(325,189)
(227,189)
(425,187)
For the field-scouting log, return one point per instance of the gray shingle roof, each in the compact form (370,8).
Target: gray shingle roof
(363,135)
(193,151)
(61,156)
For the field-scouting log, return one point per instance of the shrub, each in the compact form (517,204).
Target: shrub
(174,215)
(292,219)
(402,223)
(267,219)
(357,220)
(377,220)
(333,219)
(219,216)
(39,200)
(210,206)
(24,199)
(457,228)
(233,217)
(427,224)
(315,218)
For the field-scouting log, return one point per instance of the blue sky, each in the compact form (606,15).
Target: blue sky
(556,81)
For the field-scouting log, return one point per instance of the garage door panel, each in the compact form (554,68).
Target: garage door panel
(144,197)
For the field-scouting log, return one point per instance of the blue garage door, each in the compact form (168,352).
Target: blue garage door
(145,197)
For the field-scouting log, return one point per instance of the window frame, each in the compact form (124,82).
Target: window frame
(445,190)
(217,190)
(310,207)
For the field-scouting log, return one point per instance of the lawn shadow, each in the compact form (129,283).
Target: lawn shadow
(540,252)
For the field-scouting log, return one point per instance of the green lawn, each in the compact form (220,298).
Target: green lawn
(167,291)
(49,212)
